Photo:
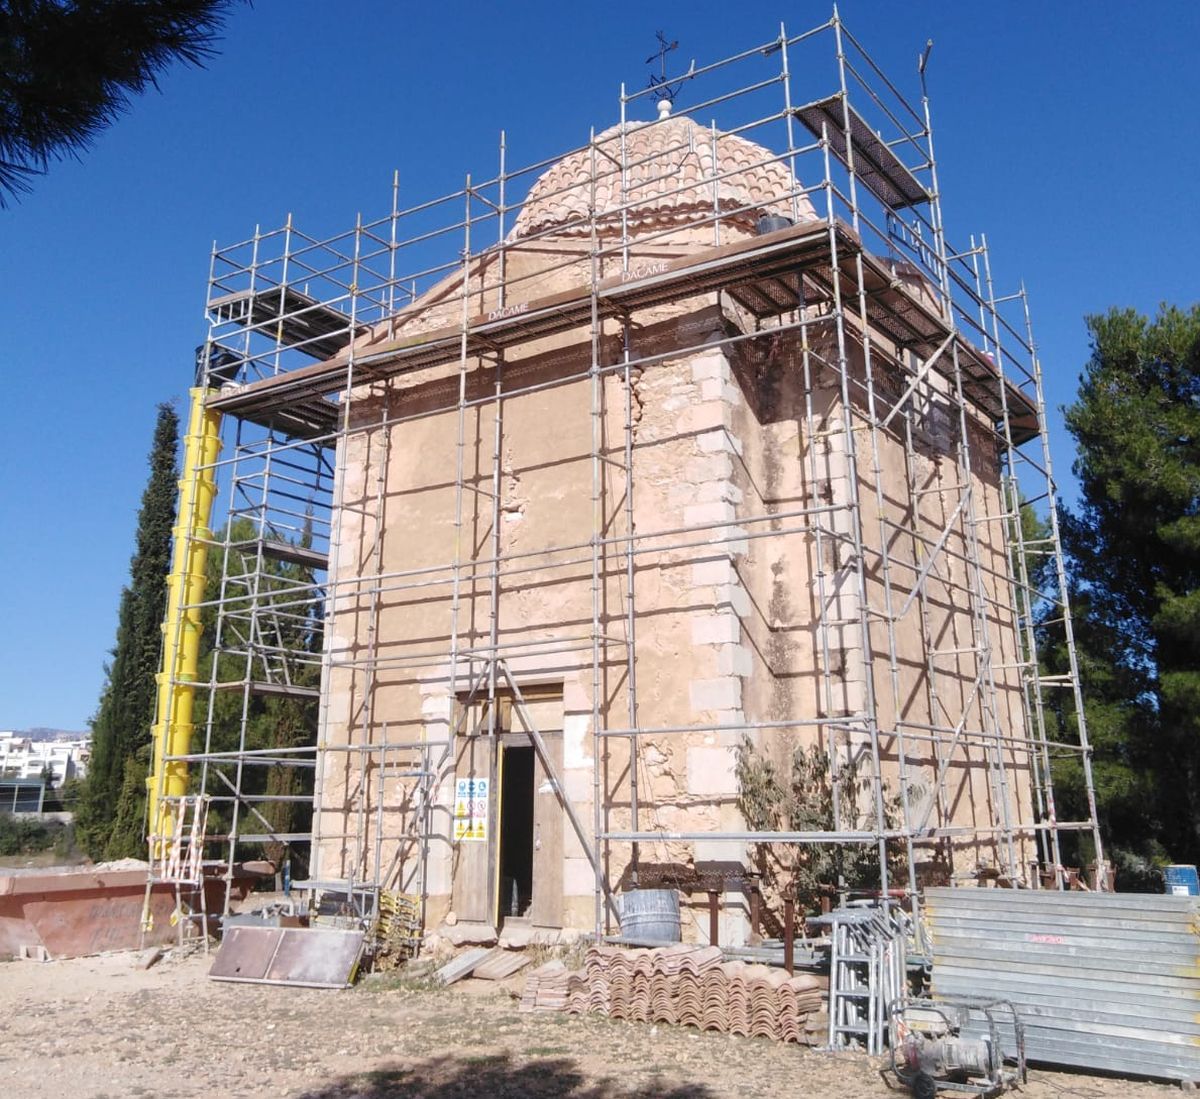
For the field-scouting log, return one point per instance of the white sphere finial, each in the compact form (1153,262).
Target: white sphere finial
(664,108)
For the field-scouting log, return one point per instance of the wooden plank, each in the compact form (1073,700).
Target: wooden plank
(546,910)
(500,964)
(464,964)
(295,554)
(259,687)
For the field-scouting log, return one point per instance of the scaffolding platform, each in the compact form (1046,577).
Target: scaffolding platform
(304,323)
(267,689)
(875,165)
(763,275)
(293,554)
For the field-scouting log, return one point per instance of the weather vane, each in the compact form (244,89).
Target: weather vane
(668,88)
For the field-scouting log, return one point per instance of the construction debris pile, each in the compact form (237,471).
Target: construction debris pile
(685,984)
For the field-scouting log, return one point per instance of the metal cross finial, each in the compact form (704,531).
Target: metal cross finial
(659,80)
(664,48)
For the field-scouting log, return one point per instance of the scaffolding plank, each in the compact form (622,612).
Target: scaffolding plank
(263,687)
(306,420)
(245,953)
(304,556)
(500,964)
(463,965)
(314,419)
(298,320)
(875,164)
(761,257)
(758,267)
(324,957)
(892,308)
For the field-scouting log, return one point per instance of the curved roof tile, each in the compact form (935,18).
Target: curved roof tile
(668,180)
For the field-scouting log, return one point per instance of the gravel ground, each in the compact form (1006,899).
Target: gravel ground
(100,1028)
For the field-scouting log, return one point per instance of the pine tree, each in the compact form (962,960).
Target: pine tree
(68,70)
(1134,542)
(112,809)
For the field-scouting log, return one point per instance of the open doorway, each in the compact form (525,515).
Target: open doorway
(511,867)
(516,833)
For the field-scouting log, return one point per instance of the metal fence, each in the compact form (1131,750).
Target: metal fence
(1106,982)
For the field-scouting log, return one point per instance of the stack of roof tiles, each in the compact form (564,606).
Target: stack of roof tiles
(688,985)
(546,988)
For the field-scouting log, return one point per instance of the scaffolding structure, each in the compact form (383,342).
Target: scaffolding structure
(288,362)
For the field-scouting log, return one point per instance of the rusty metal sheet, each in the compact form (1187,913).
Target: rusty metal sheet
(74,924)
(245,953)
(71,913)
(314,957)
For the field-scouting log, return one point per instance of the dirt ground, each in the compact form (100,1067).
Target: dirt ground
(100,1028)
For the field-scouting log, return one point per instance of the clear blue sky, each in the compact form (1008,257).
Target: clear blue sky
(1066,131)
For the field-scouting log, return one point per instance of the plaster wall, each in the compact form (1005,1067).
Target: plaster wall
(728,626)
(771,555)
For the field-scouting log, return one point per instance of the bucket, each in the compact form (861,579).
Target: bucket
(650,915)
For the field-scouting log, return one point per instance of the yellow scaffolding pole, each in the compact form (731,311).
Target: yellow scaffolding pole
(172,731)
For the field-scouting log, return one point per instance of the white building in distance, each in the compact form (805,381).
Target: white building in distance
(24,757)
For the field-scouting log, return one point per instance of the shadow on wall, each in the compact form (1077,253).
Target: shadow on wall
(499,1077)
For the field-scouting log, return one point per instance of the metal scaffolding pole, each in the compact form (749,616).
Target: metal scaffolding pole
(900,354)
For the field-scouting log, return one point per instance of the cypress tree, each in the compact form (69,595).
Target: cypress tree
(112,808)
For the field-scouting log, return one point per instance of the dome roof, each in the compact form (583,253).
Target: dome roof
(669,182)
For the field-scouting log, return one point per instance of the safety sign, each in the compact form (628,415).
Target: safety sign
(471,809)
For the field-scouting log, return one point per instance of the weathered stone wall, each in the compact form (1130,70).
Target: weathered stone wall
(731,445)
(757,505)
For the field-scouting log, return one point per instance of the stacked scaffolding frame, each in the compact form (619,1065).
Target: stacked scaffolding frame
(287,366)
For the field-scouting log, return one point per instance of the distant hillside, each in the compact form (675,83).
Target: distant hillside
(42,733)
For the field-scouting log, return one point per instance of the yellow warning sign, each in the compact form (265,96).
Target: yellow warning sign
(466,829)
(471,809)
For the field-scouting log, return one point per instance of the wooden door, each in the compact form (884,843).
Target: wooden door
(546,910)
(473,886)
